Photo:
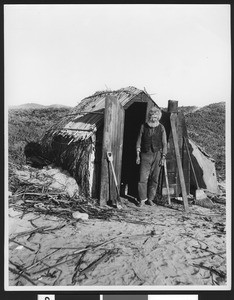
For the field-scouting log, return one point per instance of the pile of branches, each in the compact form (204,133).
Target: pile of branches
(30,197)
(57,204)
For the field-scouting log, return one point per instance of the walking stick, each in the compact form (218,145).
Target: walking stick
(167,184)
(110,159)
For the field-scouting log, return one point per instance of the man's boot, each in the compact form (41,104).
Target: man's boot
(151,194)
(141,202)
(150,202)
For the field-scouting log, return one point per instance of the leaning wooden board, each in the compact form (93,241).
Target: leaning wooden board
(173,118)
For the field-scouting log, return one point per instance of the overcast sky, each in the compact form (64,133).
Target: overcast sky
(59,54)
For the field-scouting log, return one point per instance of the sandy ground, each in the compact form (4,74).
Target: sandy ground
(152,246)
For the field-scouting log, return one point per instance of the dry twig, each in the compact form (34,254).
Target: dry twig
(93,265)
(18,243)
(22,275)
(212,270)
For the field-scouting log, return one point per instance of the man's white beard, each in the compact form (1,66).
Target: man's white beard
(153,123)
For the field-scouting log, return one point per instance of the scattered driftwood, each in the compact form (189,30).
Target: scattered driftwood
(22,275)
(18,243)
(39,261)
(192,237)
(29,271)
(43,229)
(138,276)
(74,254)
(207,250)
(93,265)
(20,268)
(77,268)
(55,265)
(52,275)
(212,270)
(28,232)
(85,259)
(217,198)
(212,254)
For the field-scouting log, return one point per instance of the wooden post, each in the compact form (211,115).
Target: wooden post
(172,106)
(178,159)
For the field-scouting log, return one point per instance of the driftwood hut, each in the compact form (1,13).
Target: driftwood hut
(109,121)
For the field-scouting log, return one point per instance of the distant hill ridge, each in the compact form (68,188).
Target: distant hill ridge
(37,106)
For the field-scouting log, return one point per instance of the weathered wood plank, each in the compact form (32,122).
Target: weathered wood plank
(112,142)
(104,190)
(178,159)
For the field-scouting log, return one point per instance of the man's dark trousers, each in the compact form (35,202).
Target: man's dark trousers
(149,170)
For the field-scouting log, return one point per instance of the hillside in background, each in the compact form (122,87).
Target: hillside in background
(187,109)
(206,126)
(27,125)
(38,106)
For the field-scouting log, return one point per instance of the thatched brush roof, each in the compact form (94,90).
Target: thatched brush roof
(88,115)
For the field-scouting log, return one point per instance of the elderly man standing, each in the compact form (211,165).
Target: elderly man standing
(151,150)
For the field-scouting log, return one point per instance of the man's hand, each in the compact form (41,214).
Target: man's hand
(138,159)
(162,161)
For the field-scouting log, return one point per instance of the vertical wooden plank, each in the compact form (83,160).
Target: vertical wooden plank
(112,138)
(177,175)
(106,146)
(173,175)
(119,141)
(182,133)
(178,159)
(117,144)
(112,142)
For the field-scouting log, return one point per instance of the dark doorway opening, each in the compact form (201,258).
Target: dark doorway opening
(134,116)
